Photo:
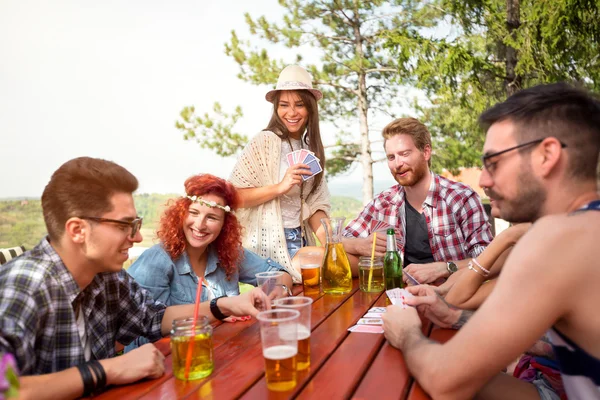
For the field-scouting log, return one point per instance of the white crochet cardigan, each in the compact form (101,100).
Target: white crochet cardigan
(258,166)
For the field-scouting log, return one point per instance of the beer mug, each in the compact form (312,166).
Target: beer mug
(304,305)
(310,265)
(195,343)
(279,337)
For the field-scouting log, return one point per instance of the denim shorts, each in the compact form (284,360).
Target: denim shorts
(293,240)
(544,389)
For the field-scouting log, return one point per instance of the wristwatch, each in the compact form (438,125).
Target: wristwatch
(214,309)
(451,267)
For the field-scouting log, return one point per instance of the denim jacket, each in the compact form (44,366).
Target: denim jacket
(174,282)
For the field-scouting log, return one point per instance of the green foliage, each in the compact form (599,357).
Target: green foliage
(467,71)
(216,132)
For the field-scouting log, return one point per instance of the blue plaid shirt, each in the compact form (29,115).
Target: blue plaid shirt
(38,296)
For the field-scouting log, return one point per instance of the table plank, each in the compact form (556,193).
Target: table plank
(324,340)
(239,362)
(341,372)
(223,332)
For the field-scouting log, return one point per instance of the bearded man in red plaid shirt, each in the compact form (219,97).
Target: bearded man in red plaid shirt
(440,224)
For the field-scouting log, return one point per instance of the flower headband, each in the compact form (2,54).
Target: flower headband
(200,200)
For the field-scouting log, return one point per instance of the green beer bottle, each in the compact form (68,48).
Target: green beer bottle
(392,263)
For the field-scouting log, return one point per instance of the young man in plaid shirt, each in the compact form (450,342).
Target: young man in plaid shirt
(65,303)
(439,223)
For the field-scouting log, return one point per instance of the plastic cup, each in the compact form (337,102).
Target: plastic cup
(271,283)
(279,338)
(304,305)
(310,266)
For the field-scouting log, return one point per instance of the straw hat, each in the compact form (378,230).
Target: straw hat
(294,77)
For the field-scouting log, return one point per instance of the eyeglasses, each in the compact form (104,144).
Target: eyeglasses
(134,225)
(490,166)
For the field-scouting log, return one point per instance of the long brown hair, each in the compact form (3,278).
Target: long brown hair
(313,134)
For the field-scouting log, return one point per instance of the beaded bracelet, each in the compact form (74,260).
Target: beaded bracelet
(470,266)
(485,271)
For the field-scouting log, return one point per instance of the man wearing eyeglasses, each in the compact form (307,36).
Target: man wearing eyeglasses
(540,158)
(439,223)
(64,304)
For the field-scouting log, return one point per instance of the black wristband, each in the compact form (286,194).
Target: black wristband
(214,309)
(100,374)
(88,380)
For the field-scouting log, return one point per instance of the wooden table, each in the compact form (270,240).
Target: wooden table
(343,364)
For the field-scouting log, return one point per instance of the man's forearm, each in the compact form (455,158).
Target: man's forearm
(66,384)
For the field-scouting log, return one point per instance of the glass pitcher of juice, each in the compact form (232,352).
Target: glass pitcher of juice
(336,275)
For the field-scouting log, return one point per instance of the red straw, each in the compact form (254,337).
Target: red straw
(188,358)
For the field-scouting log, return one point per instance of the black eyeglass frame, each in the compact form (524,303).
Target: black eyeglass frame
(135,225)
(485,158)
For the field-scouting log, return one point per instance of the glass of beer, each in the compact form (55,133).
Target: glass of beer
(279,336)
(194,343)
(302,304)
(271,283)
(310,265)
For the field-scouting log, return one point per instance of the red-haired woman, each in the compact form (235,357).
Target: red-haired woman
(200,236)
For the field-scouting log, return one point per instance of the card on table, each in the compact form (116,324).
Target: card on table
(366,328)
(372,315)
(370,321)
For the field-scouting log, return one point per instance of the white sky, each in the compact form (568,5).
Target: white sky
(108,79)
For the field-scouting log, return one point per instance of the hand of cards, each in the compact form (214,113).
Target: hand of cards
(398,296)
(307,157)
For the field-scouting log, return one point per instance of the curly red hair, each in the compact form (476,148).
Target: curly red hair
(229,242)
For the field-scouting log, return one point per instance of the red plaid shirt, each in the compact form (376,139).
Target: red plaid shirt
(457,223)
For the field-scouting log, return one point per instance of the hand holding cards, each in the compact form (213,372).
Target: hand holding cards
(307,157)
(398,296)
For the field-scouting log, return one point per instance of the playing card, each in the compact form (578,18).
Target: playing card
(315,168)
(290,158)
(377,310)
(397,296)
(370,321)
(302,155)
(296,155)
(366,328)
(412,280)
(372,315)
(377,225)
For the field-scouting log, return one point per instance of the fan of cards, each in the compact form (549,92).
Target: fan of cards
(307,157)
(371,322)
(378,225)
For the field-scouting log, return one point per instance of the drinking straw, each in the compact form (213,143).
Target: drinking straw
(188,357)
(372,259)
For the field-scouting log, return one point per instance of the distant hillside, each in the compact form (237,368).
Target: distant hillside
(22,223)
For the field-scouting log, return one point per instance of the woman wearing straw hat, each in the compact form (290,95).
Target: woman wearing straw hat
(280,210)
